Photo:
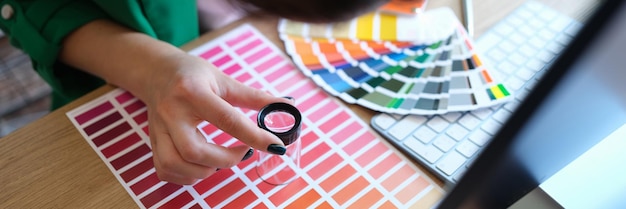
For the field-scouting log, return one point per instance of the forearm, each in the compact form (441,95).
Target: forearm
(116,54)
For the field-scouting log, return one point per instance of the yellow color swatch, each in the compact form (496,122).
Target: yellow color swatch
(496,92)
(365,27)
(388,27)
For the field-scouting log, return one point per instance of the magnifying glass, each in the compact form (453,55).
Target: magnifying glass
(284,121)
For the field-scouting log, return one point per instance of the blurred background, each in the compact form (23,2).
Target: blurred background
(24,96)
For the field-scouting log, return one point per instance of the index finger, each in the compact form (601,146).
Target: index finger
(225,117)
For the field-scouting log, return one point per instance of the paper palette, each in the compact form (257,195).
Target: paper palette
(430,72)
(343,164)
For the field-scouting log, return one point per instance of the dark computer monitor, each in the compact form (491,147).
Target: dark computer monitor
(579,101)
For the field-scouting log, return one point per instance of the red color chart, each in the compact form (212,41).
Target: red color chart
(344,165)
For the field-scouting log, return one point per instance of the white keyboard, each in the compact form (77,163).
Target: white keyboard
(518,49)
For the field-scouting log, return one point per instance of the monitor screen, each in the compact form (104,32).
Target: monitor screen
(595,179)
(577,103)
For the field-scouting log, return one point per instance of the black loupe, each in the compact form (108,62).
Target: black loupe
(282,120)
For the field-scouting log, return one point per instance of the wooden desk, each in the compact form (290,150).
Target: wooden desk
(48,164)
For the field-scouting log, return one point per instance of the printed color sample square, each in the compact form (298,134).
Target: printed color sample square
(344,165)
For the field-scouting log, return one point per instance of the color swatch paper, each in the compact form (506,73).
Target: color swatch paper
(427,27)
(435,75)
(344,165)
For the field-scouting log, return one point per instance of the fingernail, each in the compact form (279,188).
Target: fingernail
(248,154)
(289,98)
(276,149)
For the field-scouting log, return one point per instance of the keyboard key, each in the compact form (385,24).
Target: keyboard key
(537,42)
(487,61)
(480,137)
(573,29)
(496,54)
(554,47)
(444,143)
(507,67)
(451,163)
(517,39)
(507,46)
(467,148)
(469,121)
(540,73)
(527,30)
(384,121)
(547,34)
(482,113)
(514,83)
(459,174)
(536,24)
(535,65)
(469,162)
(517,59)
(429,153)
(396,116)
(527,50)
(498,76)
(521,94)
(563,39)
(511,106)
(452,116)
(491,126)
(424,134)
(525,74)
(488,41)
(404,127)
(545,56)
(457,132)
(438,124)
(501,115)
(497,107)
(559,24)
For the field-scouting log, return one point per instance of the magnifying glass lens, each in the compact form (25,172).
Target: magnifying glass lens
(284,121)
(279,121)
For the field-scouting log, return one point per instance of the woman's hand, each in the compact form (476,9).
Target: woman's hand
(186,90)
(180,91)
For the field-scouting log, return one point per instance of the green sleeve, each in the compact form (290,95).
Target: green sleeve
(38,27)
(172,21)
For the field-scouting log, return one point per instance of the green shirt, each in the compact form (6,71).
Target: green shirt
(39,26)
